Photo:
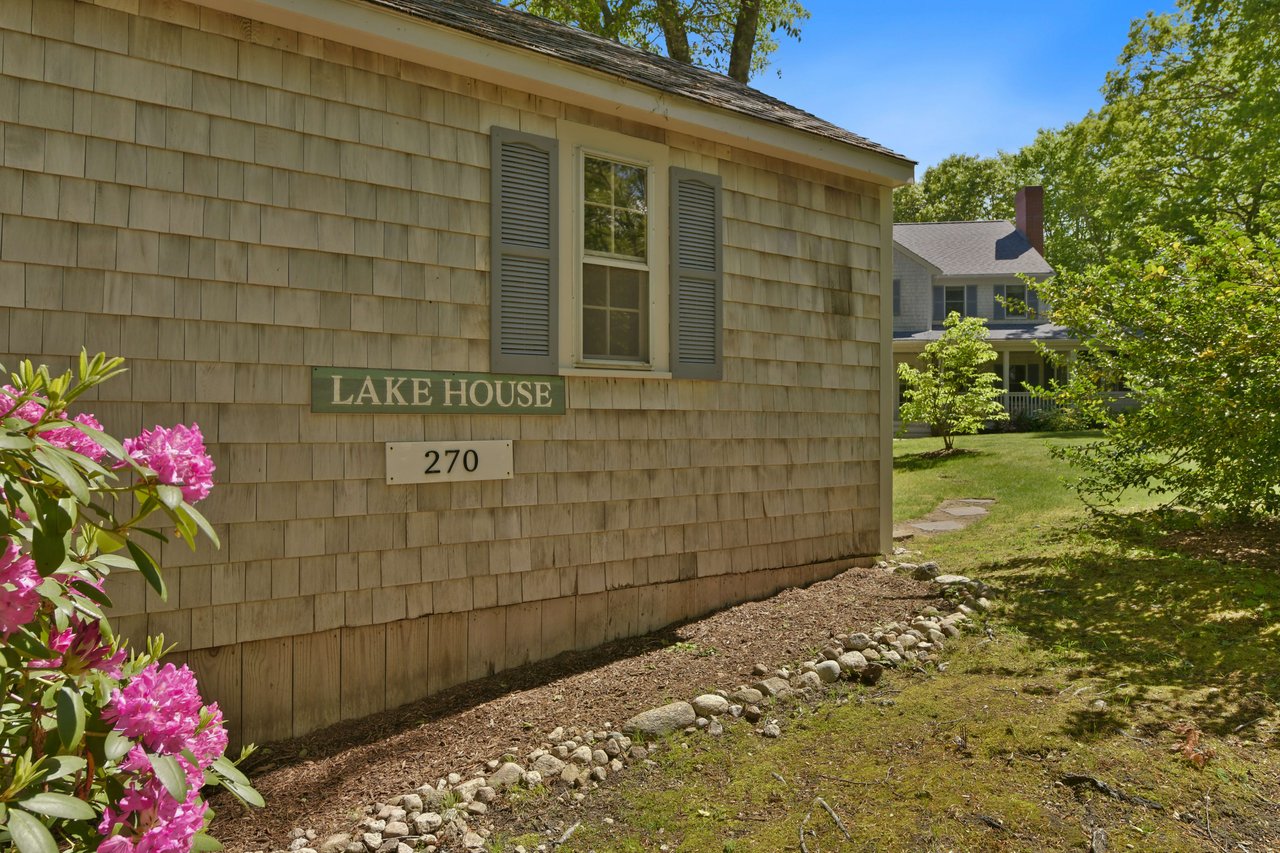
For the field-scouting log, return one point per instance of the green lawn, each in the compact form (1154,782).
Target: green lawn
(1175,630)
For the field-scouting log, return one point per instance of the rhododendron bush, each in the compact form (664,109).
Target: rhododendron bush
(101,748)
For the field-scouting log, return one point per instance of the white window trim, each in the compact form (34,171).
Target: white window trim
(575,141)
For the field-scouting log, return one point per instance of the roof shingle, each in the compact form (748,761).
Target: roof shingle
(972,248)
(496,22)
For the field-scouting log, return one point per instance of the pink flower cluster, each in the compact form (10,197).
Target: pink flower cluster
(82,647)
(177,456)
(68,437)
(18,597)
(161,707)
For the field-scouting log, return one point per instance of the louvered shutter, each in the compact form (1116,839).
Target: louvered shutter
(897,297)
(697,276)
(939,306)
(524,247)
(997,305)
(971,300)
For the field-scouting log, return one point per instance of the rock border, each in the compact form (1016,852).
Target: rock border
(450,814)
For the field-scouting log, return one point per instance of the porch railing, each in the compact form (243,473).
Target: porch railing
(1020,404)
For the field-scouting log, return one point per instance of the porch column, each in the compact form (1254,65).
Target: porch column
(1005,353)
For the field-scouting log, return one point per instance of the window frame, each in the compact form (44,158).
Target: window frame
(1025,314)
(946,300)
(576,143)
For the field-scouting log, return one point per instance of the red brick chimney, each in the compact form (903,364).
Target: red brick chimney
(1028,206)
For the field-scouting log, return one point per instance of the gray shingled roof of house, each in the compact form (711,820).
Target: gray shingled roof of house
(1022,332)
(499,23)
(972,248)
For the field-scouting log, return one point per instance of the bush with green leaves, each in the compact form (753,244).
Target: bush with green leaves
(1194,334)
(100,749)
(950,391)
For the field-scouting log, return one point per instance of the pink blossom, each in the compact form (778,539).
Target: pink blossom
(19,600)
(161,706)
(81,647)
(177,456)
(146,818)
(68,437)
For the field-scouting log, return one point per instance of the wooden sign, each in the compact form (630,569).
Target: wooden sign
(344,389)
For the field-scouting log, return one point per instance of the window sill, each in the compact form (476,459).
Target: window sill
(616,372)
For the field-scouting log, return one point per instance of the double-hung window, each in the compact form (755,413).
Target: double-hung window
(604,257)
(954,301)
(615,272)
(1015,301)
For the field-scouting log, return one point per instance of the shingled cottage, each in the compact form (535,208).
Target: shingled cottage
(508,340)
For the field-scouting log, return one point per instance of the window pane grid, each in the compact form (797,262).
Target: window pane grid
(615,209)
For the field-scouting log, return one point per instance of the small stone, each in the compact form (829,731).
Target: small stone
(657,722)
(759,669)
(355,847)
(492,764)
(829,671)
(531,779)
(771,730)
(599,774)
(892,657)
(336,843)
(710,705)
(638,753)
(427,822)
(735,710)
(467,790)
(557,734)
(372,840)
(772,686)
(951,580)
(612,748)
(569,775)
(925,571)
(396,829)
(982,604)
(857,642)
(453,778)
(472,840)
(809,680)
(615,764)
(506,776)
(374,824)
(747,696)
(486,794)
(548,765)
(477,807)
(581,755)
(700,723)
(906,641)
(871,653)
(752,713)
(871,674)
(599,757)
(1099,705)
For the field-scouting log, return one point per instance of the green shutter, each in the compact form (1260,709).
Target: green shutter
(697,276)
(524,253)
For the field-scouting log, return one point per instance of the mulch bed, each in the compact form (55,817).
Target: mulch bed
(323,780)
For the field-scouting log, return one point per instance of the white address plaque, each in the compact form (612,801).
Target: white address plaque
(447,461)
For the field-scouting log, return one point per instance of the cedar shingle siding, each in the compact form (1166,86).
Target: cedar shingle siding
(229,204)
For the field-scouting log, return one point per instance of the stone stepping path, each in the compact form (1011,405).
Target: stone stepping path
(950,515)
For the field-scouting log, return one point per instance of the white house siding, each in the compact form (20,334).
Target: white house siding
(228,204)
(915,282)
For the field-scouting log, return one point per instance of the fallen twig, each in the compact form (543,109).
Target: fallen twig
(779,778)
(1243,726)
(1074,779)
(993,822)
(568,832)
(834,817)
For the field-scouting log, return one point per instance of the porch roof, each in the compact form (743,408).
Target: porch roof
(1021,332)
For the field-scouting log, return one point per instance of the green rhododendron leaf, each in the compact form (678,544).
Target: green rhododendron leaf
(70,716)
(61,766)
(245,793)
(29,835)
(49,551)
(149,569)
(59,805)
(170,774)
(15,442)
(202,842)
(116,746)
(170,496)
(223,765)
(56,464)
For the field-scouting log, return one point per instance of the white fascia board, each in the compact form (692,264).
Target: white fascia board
(392,33)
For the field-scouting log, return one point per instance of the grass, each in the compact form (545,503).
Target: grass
(1139,650)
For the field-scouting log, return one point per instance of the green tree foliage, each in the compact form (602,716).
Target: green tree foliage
(951,391)
(1194,332)
(734,37)
(1186,135)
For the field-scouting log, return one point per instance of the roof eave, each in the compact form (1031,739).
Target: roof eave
(393,33)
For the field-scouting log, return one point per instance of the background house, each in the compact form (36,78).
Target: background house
(971,268)
(260,202)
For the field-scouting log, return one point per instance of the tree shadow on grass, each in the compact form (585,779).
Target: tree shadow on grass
(932,459)
(1157,612)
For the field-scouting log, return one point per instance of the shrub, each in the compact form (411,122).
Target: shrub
(99,749)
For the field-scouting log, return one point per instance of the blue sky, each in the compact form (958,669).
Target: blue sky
(937,77)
